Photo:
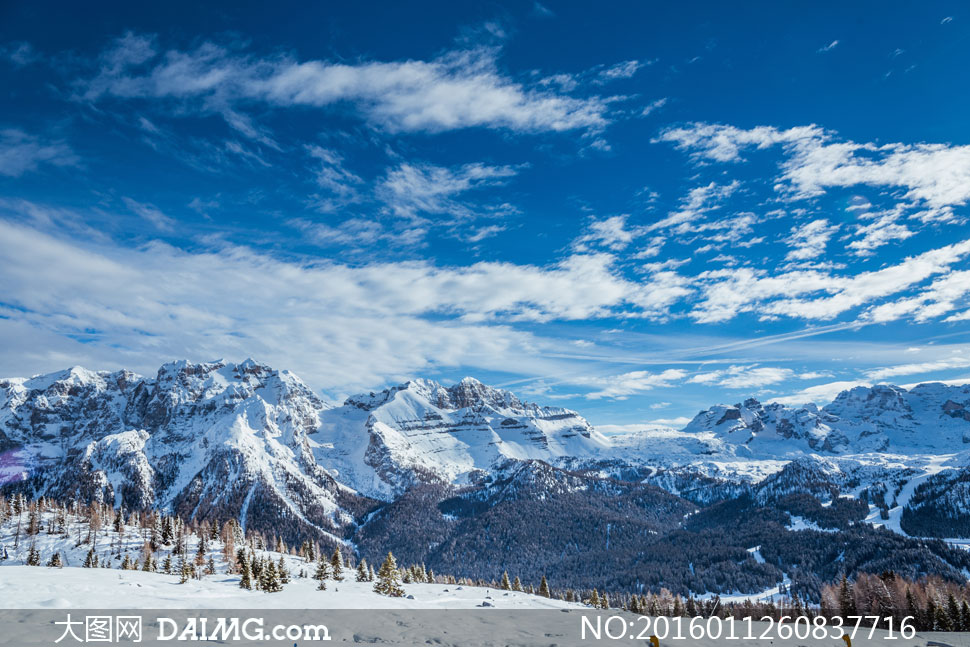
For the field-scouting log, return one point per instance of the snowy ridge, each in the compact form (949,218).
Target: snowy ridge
(381,443)
(217,440)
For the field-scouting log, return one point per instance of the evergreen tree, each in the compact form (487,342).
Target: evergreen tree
(91,561)
(167,565)
(544,588)
(594,599)
(147,566)
(846,601)
(270,579)
(283,573)
(517,584)
(323,571)
(55,561)
(337,565)
(246,578)
(953,612)
(370,573)
(362,570)
(388,578)
(506,584)
(33,556)
(186,571)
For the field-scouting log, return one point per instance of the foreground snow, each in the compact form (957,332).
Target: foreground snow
(31,587)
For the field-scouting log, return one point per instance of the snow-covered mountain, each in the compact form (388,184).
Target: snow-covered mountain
(928,419)
(218,440)
(381,443)
(210,440)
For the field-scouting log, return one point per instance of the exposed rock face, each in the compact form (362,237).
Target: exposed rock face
(210,440)
(930,418)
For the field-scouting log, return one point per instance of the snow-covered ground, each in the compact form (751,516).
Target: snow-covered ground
(31,587)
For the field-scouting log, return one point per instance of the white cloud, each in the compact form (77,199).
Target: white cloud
(728,292)
(882,230)
(744,377)
(814,375)
(935,177)
(620,387)
(340,325)
(611,233)
(809,240)
(623,70)
(957,361)
(459,89)
(653,106)
(21,152)
(698,202)
(20,53)
(724,143)
(413,190)
(820,394)
(829,47)
(941,297)
(150,213)
(340,184)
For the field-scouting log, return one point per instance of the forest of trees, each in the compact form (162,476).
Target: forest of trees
(166,544)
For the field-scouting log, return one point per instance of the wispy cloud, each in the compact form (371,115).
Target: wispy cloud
(744,377)
(150,213)
(919,368)
(414,191)
(935,177)
(829,47)
(809,240)
(21,152)
(619,387)
(459,89)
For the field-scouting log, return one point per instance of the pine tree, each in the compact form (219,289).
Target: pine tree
(594,600)
(270,579)
(506,584)
(362,570)
(544,588)
(147,566)
(167,565)
(246,579)
(91,561)
(284,574)
(33,556)
(323,570)
(846,602)
(517,584)
(337,565)
(55,561)
(388,578)
(370,573)
(126,563)
(186,571)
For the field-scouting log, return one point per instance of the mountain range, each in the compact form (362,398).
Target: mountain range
(471,478)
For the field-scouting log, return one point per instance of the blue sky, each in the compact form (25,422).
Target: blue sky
(633,210)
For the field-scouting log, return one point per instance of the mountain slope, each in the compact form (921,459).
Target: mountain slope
(382,443)
(207,441)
